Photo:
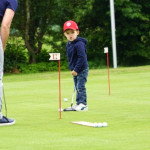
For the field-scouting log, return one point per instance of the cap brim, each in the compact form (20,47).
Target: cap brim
(70,28)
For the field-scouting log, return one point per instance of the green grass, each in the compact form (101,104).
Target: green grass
(33,101)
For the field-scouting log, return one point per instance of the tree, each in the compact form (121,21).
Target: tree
(45,18)
(35,19)
(32,20)
(132,30)
(133,24)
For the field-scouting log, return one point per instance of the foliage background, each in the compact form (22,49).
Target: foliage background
(38,29)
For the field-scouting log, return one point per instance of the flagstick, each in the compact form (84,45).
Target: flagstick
(106,51)
(59,92)
(108,72)
(56,56)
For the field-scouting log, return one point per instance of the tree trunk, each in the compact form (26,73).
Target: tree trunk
(32,59)
(27,27)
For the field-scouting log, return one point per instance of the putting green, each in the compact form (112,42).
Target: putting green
(33,100)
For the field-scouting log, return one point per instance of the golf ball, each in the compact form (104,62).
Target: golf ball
(60,109)
(95,124)
(65,99)
(105,124)
(100,125)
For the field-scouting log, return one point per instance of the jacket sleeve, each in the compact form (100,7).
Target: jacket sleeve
(81,56)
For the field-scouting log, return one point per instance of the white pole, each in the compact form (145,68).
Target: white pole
(113,33)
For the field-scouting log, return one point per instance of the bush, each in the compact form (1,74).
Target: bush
(43,56)
(14,55)
(41,67)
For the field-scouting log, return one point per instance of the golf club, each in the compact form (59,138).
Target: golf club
(71,109)
(5,102)
(73,96)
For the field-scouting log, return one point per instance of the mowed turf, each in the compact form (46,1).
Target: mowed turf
(33,101)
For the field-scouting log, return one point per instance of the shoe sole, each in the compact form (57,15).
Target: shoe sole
(7,124)
(83,109)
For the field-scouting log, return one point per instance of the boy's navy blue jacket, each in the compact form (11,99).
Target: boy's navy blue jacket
(76,54)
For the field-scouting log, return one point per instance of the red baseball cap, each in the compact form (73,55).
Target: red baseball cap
(70,25)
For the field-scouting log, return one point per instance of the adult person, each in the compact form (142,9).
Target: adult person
(7,12)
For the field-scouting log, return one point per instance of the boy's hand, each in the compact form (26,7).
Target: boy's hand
(74,73)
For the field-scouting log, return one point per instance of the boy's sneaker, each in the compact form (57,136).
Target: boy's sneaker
(81,107)
(74,106)
(6,122)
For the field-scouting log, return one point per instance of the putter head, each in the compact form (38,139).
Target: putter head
(69,109)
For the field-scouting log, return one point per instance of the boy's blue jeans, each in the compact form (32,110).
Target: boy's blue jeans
(79,82)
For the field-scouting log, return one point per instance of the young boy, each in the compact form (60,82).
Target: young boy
(77,58)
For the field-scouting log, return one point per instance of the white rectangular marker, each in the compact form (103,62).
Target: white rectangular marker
(54,56)
(106,50)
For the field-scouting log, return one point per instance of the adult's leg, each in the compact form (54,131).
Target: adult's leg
(1,75)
